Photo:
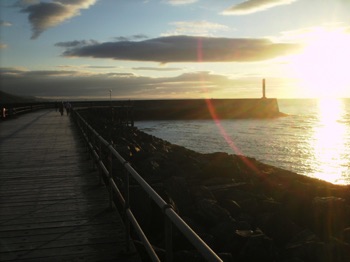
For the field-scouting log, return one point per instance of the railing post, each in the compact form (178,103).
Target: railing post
(170,217)
(168,228)
(110,177)
(99,159)
(127,206)
(93,140)
(86,131)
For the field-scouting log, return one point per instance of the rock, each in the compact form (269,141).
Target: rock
(278,227)
(209,213)
(223,233)
(246,221)
(244,225)
(178,189)
(180,242)
(346,235)
(188,256)
(217,193)
(200,192)
(249,205)
(226,257)
(329,215)
(306,251)
(231,206)
(258,248)
(268,206)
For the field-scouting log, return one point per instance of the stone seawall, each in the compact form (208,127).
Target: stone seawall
(205,109)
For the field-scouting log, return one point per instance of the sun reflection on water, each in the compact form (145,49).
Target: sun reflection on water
(328,142)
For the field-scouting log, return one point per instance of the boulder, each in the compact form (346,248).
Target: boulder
(314,251)
(178,189)
(231,206)
(209,212)
(329,215)
(258,247)
(279,227)
(346,235)
(227,198)
(223,233)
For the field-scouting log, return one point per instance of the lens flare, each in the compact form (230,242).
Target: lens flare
(226,137)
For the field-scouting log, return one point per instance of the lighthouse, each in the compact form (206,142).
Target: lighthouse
(263,88)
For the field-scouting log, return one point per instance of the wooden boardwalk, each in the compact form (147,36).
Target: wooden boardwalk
(52,207)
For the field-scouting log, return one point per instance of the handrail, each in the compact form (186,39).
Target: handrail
(167,209)
(12,110)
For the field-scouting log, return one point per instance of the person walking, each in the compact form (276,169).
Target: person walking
(68,108)
(61,108)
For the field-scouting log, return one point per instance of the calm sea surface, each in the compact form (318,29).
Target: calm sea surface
(314,140)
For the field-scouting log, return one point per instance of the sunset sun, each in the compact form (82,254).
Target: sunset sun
(322,67)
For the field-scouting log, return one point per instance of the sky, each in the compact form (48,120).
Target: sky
(172,49)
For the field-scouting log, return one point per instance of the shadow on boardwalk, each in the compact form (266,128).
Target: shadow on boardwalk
(52,208)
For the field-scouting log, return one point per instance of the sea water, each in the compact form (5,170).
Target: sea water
(313,140)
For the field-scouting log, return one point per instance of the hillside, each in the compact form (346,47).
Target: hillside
(6,98)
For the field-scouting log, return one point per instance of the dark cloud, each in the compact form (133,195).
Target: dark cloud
(25,3)
(185,49)
(122,38)
(76,43)
(43,15)
(252,6)
(74,85)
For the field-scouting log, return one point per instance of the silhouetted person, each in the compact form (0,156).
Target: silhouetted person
(68,107)
(61,108)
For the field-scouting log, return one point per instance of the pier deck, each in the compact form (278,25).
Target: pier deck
(52,207)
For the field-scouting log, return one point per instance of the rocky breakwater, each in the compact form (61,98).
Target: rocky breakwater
(243,209)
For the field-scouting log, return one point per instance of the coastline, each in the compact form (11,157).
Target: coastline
(237,204)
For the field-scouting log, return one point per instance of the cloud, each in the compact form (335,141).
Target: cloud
(76,43)
(44,15)
(102,67)
(185,49)
(253,6)
(157,68)
(198,28)
(180,2)
(5,23)
(129,38)
(25,3)
(70,84)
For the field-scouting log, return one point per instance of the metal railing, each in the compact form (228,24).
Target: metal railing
(95,143)
(13,110)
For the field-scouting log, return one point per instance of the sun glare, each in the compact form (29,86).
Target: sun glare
(328,142)
(322,67)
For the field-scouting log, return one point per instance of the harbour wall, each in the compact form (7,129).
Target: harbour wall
(192,109)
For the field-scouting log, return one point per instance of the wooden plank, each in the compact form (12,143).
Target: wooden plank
(52,206)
